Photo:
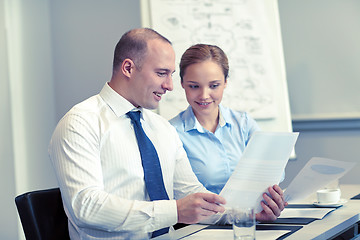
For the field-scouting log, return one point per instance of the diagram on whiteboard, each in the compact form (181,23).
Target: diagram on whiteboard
(240,28)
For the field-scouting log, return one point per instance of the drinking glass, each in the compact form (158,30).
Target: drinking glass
(243,221)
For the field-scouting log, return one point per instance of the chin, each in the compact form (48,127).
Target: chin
(151,107)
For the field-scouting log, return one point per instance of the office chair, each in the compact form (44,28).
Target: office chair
(42,215)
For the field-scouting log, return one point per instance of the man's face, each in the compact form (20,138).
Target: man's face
(155,76)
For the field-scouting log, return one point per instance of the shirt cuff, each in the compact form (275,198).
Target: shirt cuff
(165,213)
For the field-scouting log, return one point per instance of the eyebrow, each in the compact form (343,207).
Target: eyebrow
(211,82)
(215,81)
(164,69)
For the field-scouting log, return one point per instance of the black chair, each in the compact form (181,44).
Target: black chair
(42,215)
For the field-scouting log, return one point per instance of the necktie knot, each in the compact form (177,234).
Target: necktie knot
(134,116)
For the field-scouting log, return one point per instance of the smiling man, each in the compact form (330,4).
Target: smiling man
(106,177)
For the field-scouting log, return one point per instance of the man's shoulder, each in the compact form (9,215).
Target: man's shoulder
(158,120)
(90,104)
(88,109)
(153,116)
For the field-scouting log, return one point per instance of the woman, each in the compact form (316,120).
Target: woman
(214,136)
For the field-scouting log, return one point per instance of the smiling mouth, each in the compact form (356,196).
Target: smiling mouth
(158,94)
(203,103)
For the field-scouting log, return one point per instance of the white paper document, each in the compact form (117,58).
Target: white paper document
(317,213)
(261,166)
(208,234)
(316,174)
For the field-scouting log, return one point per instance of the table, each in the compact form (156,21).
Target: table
(343,220)
(336,222)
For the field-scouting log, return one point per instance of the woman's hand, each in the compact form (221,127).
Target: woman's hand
(274,205)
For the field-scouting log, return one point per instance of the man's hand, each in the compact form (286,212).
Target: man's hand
(273,206)
(198,206)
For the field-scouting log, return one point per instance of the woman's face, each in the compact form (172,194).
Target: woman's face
(204,85)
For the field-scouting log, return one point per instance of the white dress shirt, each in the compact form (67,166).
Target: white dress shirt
(97,162)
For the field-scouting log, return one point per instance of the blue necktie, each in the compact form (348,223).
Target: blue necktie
(151,165)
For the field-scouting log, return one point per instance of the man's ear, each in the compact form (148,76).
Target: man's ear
(127,67)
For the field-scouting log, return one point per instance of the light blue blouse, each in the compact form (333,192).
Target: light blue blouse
(214,156)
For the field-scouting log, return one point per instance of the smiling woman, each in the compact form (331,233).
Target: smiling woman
(214,136)
(204,84)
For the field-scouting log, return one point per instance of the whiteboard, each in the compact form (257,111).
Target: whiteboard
(249,33)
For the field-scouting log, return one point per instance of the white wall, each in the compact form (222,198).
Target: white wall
(53,54)
(84,35)
(28,104)
(322,55)
(8,217)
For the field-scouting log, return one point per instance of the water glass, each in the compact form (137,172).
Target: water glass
(243,221)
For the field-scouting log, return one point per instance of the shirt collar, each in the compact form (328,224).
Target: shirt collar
(118,104)
(192,123)
(222,120)
(225,116)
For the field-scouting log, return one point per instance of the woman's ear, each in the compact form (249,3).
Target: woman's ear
(127,67)
(182,84)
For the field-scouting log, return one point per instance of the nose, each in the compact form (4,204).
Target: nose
(204,94)
(168,84)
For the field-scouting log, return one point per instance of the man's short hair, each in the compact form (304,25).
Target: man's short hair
(133,45)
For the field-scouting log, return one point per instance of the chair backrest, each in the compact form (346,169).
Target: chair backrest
(42,215)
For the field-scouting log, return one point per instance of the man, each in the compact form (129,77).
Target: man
(98,160)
